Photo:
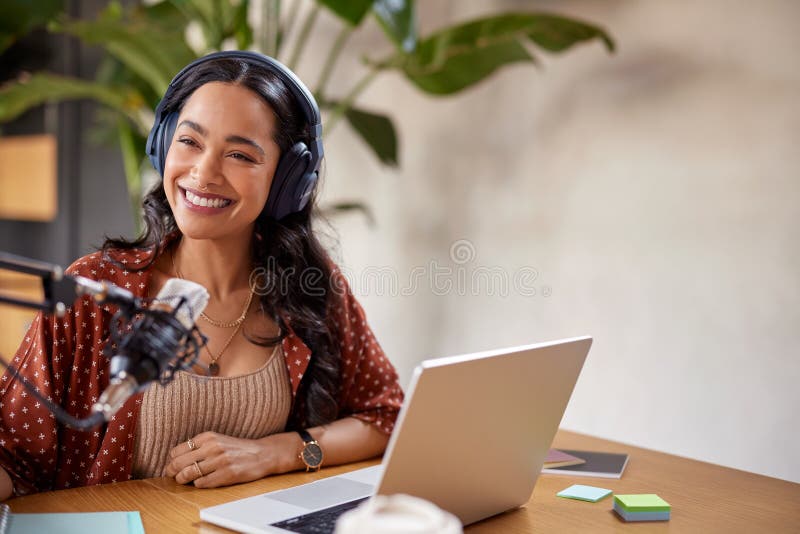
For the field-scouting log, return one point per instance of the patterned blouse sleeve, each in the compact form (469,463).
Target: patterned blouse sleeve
(370,387)
(30,437)
(28,431)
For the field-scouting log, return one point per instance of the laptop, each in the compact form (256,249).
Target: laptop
(471,437)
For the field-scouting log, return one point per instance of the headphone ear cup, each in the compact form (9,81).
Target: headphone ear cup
(160,139)
(293,182)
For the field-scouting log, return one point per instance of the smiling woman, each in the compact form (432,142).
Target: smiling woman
(285,373)
(221,152)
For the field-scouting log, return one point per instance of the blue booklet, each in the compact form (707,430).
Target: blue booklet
(70,523)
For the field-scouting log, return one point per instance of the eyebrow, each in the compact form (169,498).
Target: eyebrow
(231,138)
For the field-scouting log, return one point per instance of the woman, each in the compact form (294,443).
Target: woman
(291,376)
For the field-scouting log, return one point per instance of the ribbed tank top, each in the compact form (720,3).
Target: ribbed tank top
(192,404)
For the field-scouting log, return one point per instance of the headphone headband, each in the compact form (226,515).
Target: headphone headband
(297,87)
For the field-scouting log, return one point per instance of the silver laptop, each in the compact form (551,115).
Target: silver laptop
(471,437)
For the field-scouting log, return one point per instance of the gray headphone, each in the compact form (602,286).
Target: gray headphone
(298,169)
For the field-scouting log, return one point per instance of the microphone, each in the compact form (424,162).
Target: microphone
(162,339)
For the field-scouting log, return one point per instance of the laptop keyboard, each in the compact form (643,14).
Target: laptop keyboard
(319,522)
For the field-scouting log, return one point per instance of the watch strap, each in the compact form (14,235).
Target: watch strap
(307,438)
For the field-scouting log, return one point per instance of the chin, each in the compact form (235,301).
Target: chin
(194,229)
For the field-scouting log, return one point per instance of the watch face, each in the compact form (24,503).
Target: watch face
(312,455)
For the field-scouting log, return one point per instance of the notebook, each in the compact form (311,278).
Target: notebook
(557,458)
(598,464)
(70,523)
(471,437)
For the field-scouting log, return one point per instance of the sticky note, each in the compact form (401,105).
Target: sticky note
(640,516)
(77,523)
(584,493)
(642,503)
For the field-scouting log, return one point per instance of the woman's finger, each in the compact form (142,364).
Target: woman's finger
(180,462)
(191,444)
(193,472)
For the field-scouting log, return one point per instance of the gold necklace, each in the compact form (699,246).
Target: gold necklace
(214,322)
(213,367)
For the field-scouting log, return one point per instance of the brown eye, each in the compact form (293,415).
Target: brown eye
(187,141)
(242,157)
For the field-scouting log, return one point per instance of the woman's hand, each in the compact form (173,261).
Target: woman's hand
(223,460)
(218,460)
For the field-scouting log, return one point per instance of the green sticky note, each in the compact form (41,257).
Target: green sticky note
(648,502)
(584,493)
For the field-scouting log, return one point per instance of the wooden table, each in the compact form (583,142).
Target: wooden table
(704,498)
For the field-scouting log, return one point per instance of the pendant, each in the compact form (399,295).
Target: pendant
(213,369)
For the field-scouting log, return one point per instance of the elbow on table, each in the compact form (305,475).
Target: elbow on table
(6,485)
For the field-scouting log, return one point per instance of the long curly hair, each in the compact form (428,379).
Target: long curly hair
(280,249)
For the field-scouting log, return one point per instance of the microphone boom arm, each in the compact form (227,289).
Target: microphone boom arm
(48,273)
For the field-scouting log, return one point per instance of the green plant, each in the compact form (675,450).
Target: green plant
(144,50)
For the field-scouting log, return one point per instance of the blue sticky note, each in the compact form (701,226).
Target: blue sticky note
(584,493)
(77,523)
(641,516)
(135,525)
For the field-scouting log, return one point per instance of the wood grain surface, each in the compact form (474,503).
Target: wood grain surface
(704,498)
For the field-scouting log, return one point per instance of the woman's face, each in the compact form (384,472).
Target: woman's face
(220,164)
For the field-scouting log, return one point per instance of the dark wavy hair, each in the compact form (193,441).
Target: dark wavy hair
(280,249)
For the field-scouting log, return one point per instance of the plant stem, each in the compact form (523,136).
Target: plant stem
(330,61)
(303,37)
(287,26)
(215,23)
(342,107)
(130,162)
(269,27)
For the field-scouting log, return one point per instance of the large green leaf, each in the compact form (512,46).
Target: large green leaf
(397,19)
(164,14)
(458,57)
(352,11)
(556,33)
(18,17)
(152,52)
(213,15)
(16,98)
(377,131)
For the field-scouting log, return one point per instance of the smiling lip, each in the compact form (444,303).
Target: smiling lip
(204,202)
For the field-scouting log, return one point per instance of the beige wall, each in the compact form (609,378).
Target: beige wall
(656,194)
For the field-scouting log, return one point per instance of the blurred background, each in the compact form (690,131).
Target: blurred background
(646,196)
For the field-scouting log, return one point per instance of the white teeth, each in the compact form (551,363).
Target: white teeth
(204,202)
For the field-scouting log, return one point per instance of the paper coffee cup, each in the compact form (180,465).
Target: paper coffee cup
(398,514)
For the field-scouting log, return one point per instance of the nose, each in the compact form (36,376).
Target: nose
(206,172)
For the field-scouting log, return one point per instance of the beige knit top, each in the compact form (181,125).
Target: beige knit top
(192,404)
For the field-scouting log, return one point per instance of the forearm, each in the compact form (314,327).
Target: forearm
(342,441)
(6,485)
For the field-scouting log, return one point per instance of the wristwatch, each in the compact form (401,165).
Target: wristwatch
(311,455)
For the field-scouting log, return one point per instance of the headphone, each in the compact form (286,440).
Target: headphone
(297,171)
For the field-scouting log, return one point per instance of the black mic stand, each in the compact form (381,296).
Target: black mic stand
(160,331)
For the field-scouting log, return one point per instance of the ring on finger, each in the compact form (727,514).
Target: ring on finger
(192,445)
(199,471)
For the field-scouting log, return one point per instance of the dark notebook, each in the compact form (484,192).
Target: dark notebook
(598,464)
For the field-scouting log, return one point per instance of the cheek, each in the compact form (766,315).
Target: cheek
(175,166)
(257,190)
(259,185)
(175,163)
